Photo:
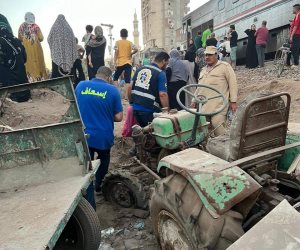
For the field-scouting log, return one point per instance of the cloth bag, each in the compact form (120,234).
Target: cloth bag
(129,122)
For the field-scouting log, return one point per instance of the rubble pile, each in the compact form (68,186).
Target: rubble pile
(125,228)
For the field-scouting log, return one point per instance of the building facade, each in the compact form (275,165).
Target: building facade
(162,23)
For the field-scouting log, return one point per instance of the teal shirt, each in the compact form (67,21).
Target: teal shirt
(198,42)
(206,34)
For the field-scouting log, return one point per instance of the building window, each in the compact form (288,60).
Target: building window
(221,5)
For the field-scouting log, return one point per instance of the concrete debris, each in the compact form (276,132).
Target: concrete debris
(143,214)
(107,232)
(139,225)
(131,244)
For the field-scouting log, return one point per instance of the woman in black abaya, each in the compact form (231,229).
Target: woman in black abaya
(251,55)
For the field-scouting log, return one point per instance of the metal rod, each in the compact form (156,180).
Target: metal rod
(188,92)
(278,125)
(196,123)
(259,155)
(261,161)
(147,169)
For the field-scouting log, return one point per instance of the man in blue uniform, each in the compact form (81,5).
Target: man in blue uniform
(100,106)
(148,92)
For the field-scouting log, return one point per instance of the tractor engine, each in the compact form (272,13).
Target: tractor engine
(168,133)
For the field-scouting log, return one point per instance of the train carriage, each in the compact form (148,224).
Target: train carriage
(222,13)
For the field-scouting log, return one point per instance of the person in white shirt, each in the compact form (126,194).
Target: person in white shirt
(225,50)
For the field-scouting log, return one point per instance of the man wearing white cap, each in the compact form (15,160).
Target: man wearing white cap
(219,75)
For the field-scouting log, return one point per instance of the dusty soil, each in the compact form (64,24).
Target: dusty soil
(253,80)
(46,107)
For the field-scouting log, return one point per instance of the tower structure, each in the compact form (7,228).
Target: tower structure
(136,33)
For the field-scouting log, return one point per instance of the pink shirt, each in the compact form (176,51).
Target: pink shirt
(262,36)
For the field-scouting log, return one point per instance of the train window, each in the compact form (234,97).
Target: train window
(221,5)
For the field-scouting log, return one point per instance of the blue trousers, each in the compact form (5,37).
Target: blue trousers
(104,156)
(260,49)
(143,118)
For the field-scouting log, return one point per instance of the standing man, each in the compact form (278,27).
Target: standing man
(100,106)
(261,43)
(212,41)
(197,40)
(233,36)
(220,76)
(295,36)
(148,92)
(206,34)
(124,50)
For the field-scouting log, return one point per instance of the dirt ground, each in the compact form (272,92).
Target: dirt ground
(131,228)
(46,107)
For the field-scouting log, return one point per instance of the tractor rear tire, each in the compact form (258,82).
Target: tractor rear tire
(180,220)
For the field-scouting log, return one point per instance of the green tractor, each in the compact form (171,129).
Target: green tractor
(210,191)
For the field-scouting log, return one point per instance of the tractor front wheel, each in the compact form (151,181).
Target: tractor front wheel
(181,221)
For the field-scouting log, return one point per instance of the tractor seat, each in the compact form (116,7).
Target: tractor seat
(260,124)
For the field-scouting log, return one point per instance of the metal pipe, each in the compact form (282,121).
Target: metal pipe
(147,168)
(256,216)
(278,125)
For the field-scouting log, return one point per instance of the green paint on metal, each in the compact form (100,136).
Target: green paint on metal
(37,145)
(224,187)
(203,198)
(165,133)
(290,154)
(40,144)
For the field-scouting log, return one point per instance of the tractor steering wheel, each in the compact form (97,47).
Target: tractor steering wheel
(201,100)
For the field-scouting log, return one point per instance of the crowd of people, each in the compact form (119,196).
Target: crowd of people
(149,90)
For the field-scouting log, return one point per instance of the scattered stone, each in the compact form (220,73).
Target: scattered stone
(105,246)
(119,232)
(140,235)
(131,244)
(139,213)
(107,232)
(139,225)
(126,232)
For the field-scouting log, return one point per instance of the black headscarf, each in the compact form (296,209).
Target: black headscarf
(190,56)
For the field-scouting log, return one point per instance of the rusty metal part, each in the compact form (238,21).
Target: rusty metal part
(147,168)
(257,156)
(148,142)
(264,124)
(259,179)
(219,188)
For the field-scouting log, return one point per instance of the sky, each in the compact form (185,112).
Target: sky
(78,13)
